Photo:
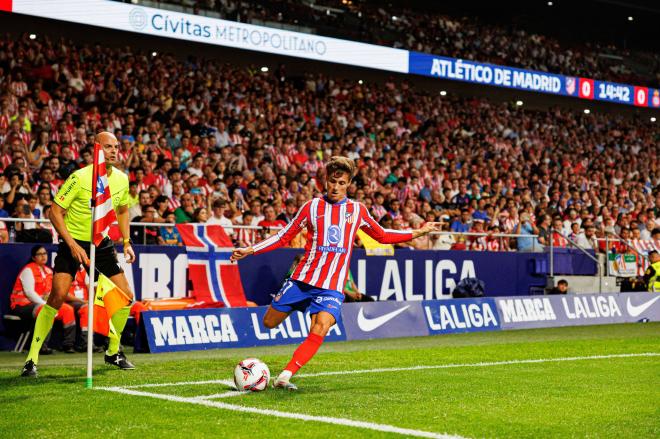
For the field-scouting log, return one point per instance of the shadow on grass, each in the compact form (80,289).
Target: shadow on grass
(50,376)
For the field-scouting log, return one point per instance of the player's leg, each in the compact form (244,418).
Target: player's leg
(66,267)
(46,316)
(117,324)
(288,299)
(273,317)
(325,313)
(109,266)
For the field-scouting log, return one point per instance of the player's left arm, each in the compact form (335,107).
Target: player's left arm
(388,236)
(123,220)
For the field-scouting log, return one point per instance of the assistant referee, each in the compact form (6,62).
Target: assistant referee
(71,216)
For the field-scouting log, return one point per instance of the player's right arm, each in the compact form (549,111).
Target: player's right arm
(280,239)
(62,201)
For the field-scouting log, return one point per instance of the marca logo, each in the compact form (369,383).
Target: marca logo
(526,310)
(463,316)
(590,307)
(191,330)
(295,327)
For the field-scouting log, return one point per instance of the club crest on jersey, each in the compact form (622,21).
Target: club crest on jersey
(350,217)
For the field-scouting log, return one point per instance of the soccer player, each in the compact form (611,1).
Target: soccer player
(317,282)
(75,231)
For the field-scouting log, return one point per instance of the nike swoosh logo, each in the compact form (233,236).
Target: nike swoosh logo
(367,324)
(635,310)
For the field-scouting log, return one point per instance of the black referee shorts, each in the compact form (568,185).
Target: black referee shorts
(106,259)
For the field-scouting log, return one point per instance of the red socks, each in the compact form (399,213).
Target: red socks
(304,353)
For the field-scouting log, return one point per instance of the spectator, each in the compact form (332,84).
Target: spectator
(200,215)
(30,292)
(185,212)
(145,234)
(270,220)
(169,235)
(561,288)
(463,224)
(525,227)
(290,210)
(218,217)
(245,237)
(137,210)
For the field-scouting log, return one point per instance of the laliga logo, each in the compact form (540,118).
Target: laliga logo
(137,18)
(656,98)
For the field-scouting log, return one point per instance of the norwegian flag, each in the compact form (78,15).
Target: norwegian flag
(214,277)
(104,214)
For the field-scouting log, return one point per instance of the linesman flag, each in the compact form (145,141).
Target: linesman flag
(104,214)
(110,297)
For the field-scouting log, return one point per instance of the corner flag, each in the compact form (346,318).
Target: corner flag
(104,215)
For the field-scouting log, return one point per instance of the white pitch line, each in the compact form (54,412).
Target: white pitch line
(403,369)
(229,394)
(298,416)
(229,383)
(483,364)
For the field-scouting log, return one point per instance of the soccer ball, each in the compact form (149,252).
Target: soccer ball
(251,374)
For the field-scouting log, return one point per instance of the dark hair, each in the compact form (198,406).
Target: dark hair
(196,213)
(34,250)
(563,282)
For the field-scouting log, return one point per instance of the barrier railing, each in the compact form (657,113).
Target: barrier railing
(579,247)
(501,236)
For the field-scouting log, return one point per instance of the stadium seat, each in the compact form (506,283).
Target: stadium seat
(17,329)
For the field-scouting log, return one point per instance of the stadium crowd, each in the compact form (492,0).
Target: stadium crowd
(207,142)
(458,37)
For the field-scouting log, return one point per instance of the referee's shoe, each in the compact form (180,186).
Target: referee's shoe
(119,360)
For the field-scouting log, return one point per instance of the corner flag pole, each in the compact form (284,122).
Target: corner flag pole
(91,271)
(90,306)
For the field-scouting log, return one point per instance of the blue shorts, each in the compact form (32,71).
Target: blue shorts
(299,296)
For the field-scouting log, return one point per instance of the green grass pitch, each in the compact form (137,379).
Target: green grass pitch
(580,395)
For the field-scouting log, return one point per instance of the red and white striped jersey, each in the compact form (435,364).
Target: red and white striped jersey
(331,230)
(4,123)
(246,237)
(19,88)
(173,203)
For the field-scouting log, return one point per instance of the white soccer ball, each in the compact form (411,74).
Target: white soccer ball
(251,374)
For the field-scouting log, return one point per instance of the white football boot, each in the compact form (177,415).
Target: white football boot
(282,381)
